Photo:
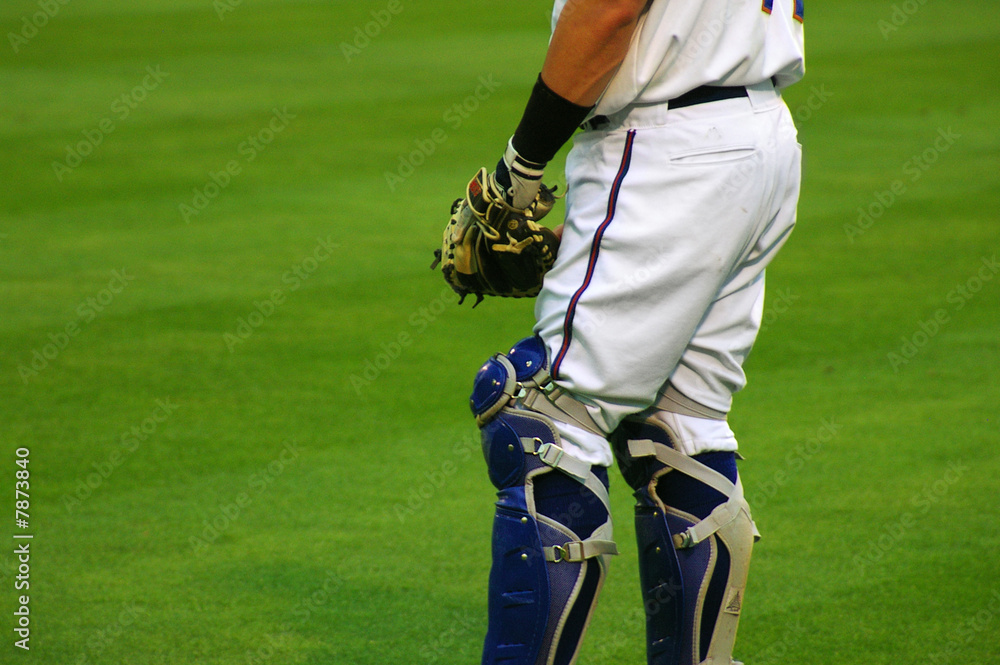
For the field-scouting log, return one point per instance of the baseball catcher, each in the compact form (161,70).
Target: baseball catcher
(682,186)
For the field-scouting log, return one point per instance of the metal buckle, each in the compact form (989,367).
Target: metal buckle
(559,554)
(543,452)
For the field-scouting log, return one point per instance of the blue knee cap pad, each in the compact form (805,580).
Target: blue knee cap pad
(496,380)
(528,357)
(494,385)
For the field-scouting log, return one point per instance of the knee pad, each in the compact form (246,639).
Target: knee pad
(695,535)
(552,530)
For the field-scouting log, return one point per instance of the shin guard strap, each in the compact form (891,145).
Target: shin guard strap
(723,515)
(599,543)
(578,552)
(554,456)
(561,406)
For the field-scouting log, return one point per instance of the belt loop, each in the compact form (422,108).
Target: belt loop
(595,123)
(762,94)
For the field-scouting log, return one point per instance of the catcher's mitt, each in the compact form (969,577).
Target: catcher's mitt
(492,249)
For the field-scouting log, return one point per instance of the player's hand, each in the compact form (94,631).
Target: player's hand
(516,180)
(491,248)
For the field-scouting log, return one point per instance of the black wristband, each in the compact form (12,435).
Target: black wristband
(548,122)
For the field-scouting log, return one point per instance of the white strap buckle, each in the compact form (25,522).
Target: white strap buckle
(580,551)
(550,453)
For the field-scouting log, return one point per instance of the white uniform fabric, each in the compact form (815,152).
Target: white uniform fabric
(679,45)
(671,217)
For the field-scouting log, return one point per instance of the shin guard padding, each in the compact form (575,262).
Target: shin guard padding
(552,532)
(695,535)
(551,539)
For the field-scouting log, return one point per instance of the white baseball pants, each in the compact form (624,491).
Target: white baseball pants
(671,218)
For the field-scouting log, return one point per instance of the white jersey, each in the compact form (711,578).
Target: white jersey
(679,45)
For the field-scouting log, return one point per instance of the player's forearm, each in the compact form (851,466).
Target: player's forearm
(590,42)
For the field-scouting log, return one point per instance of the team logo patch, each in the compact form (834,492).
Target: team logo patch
(474,189)
(735,603)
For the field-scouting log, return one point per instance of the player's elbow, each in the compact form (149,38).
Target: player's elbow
(621,14)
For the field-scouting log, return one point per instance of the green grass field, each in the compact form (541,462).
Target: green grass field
(244,393)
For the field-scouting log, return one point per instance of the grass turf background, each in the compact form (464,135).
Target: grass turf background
(874,481)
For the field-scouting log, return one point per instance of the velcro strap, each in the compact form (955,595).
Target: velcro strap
(686,465)
(541,379)
(562,407)
(674,401)
(579,551)
(641,448)
(720,517)
(554,456)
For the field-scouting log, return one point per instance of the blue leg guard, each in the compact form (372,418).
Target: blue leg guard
(695,535)
(552,531)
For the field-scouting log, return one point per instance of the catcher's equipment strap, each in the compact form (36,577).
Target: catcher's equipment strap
(671,399)
(560,405)
(722,515)
(576,552)
(552,455)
